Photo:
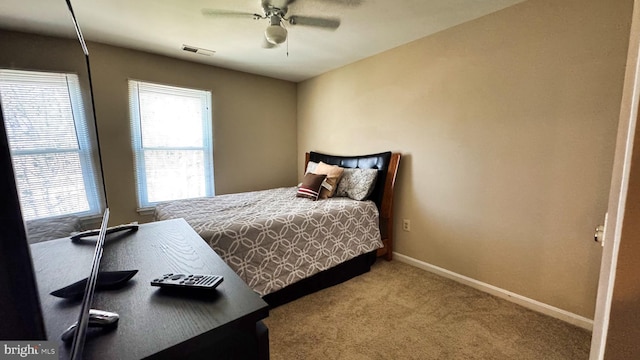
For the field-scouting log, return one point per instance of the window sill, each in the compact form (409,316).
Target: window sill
(146,211)
(90,221)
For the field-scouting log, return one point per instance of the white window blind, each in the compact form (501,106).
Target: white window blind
(172,142)
(51,150)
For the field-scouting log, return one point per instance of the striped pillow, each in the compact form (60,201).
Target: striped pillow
(310,187)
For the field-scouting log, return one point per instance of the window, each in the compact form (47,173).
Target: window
(172,142)
(51,150)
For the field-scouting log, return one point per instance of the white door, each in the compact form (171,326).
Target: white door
(618,192)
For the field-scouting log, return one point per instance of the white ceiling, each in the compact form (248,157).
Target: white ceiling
(367,27)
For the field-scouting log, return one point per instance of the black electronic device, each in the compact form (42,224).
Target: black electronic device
(191,281)
(106,280)
(80,327)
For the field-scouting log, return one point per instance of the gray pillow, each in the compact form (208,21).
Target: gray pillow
(357,184)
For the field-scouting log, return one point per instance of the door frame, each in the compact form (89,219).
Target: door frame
(619,189)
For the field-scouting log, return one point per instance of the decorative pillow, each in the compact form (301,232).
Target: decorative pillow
(357,184)
(311,167)
(310,187)
(334,173)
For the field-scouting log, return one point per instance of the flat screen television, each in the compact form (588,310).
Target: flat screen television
(21,311)
(19,301)
(22,315)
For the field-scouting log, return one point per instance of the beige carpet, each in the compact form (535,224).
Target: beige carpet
(397,311)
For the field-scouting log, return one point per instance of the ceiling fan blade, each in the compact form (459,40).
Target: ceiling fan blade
(348,3)
(282,4)
(216,12)
(344,3)
(325,23)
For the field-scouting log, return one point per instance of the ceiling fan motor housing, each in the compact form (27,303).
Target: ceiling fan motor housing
(275,33)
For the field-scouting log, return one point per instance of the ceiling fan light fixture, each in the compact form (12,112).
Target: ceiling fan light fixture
(275,34)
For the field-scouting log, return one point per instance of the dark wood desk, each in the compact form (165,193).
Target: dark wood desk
(153,323)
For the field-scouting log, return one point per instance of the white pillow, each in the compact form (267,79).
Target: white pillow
(311,167)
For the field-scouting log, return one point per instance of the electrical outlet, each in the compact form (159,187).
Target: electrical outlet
(406,225)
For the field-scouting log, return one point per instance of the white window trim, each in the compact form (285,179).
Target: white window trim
(146,207)
(146,211)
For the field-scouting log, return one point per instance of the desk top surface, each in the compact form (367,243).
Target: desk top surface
(152,321)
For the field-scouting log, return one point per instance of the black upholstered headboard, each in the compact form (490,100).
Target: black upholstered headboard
(373,161)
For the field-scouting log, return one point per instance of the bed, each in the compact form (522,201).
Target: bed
(285,245)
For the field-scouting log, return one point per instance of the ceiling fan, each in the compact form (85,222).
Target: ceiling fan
(275,33)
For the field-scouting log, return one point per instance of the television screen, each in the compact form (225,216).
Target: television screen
(21,313)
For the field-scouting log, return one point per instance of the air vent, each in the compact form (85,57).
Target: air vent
(189,49)
(197,50)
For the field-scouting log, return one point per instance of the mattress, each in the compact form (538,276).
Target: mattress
(272,239)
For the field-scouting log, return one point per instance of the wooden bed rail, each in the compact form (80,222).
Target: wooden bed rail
(386,209)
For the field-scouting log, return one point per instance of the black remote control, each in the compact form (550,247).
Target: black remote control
(204,282)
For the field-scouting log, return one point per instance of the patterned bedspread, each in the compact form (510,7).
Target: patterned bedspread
(272,239)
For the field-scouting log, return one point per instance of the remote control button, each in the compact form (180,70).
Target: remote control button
(176,277)
(166,275)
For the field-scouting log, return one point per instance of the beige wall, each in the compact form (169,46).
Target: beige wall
(507,125)
(254,146)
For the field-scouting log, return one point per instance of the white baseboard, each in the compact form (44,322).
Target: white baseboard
(531,304)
